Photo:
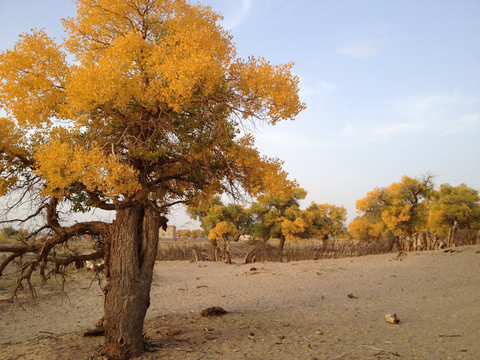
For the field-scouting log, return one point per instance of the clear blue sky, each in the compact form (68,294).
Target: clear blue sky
(392,87)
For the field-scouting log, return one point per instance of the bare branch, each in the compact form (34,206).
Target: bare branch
(67,260)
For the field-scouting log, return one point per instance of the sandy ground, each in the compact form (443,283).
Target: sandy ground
(298,310)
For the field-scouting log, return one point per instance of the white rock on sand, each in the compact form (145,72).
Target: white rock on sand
(325,309)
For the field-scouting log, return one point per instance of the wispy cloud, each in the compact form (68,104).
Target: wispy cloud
(437,115)
(322,88)
(362,49)
(441,114)
(238,15)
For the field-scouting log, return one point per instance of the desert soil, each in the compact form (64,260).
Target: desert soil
(325,309)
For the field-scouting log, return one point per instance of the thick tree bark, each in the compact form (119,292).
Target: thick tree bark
(281,244)
(130,257)
(226,252)
(216,252)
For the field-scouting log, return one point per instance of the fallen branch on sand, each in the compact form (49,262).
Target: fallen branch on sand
(441,335)
(368,347)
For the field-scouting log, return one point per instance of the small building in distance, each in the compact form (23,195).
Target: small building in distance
(169,234)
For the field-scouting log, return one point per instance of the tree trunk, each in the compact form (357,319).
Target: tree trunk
(131,250)
(216,252)
(281,244)
(226,248)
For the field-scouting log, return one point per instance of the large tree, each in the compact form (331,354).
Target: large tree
(144,105)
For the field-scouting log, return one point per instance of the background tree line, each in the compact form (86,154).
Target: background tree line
(270,216)
(405,208)
(413,205)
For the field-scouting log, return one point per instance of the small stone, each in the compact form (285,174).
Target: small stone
(392,318)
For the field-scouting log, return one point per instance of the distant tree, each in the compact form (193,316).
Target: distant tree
(9,231)
(407,213)
(222,223)
(142,107)
(277,215)
(454,204)
(325,220)
(399,209)
(293,225)
(197,233)
(184,233)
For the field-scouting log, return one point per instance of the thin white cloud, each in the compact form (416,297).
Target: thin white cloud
(441,115)
(437,115)
(362,49)
(239,15)
(391,130)
(321,88)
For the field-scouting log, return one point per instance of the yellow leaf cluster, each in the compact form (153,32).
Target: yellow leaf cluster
(114,79)
(34,75)
(167,55)
(292,228)
(262,176)
(11,138)
(437,223)
(334,212)
(454,204)
(396,218)
(223,230)
(161,82)
(362,228)
(3,186)
(11,148)
(268,89)
(191,59)
(62,165)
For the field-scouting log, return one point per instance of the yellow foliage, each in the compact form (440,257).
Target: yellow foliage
(3,186)
(292,228)
(262,176)
(11,138)
(454,204)
(167,55)
(437,223)
(223,230)
(363,229)
(395,216)
(34,75)
(62,165)
(159,83)
(334,212)
(267,88)
(375,200)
